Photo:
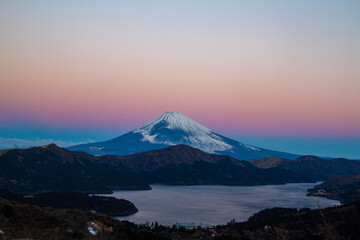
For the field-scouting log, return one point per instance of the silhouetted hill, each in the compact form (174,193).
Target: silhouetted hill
(74,200)
(19,221)
(185,165)
(313,167)
(343,188)
(179,154)
(338,223)
(51,168)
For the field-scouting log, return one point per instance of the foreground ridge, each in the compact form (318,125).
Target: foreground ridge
(278,223)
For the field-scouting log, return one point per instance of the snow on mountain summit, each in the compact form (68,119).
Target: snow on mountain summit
(173,128)
(173,120)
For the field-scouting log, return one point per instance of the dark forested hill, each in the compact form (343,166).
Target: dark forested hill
(20,221)
(312,167)
(51,168)
(344,188)
(185,165)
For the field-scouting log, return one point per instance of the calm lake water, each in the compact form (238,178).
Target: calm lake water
(212,204)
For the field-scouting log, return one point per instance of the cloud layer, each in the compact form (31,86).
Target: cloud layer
(6,143)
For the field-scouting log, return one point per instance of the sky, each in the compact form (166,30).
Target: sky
(283,75)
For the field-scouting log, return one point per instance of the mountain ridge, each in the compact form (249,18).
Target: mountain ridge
(316,168)
(345,188)
(185,165)
(51,168)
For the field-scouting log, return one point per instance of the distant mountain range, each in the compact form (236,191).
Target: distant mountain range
(185,165)
(173,128)
(51,168)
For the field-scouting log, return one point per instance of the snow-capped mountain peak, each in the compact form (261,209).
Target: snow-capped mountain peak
(173,128)
(174,120)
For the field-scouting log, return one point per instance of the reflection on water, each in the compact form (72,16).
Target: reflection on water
(212,204)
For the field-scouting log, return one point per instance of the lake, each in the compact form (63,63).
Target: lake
(214,204)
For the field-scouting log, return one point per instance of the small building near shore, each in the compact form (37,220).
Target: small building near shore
(191,225)
(321,192)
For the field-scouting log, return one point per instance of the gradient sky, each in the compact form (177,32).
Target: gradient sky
(278,74)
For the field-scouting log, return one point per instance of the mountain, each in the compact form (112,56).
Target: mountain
(315,168)
(185,165)
(51,168)
(173,128)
